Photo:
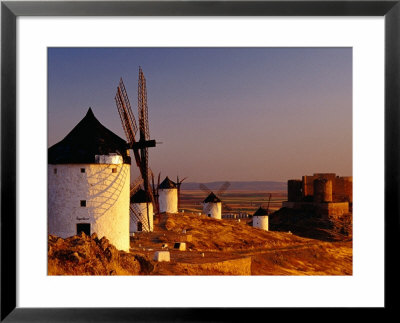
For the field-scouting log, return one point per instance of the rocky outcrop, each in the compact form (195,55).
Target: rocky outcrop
(89,255)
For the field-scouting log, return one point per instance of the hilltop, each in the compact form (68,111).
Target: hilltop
(213,247)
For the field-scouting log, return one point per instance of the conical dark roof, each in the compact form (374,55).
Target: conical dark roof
(212,198)
(140,197)
(87,139)
(261,212)
(167,184)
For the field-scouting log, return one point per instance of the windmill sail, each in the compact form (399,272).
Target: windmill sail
(140,148)
(127,117)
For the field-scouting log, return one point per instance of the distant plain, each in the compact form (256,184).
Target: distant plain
(247,201)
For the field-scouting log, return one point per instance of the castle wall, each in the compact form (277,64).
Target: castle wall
(329,176)
(344,189)
(324,193)
(105,190)
(260,222)
(294,190)
(141,209)
(168,200)
(324,209)
(214,209)
(332,209)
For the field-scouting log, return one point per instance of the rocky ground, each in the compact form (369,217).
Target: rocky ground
(213,247)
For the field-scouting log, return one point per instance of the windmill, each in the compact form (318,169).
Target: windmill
(265,210)
(140,147)
(213,199)
(178,185)
(260,217)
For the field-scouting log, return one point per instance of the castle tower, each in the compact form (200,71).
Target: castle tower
(260,219)
(88,184)
(140,201)
(168,196)
(212,206)
(294,190)
(322,190)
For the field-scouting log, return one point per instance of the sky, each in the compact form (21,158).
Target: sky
(236,114)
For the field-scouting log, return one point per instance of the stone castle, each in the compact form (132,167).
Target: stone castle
(324,193)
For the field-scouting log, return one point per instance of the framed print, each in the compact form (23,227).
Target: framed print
(217,59)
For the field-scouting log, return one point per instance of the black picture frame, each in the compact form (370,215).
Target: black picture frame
(10,10)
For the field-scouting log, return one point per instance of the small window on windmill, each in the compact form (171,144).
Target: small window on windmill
(82,170)
(114,170)
(55,170)
(83,203)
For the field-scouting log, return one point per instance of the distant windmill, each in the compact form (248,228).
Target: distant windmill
(140,148)
(212,205)
(178,185)
(260,217)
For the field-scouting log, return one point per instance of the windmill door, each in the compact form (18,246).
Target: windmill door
(83,227)
(140,226)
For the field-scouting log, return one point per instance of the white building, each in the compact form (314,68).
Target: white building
(140,203)
(168,196)
(212,206)
(260,219)
(88,184)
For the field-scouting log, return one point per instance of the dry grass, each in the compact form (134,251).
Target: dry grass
(214,247)
(272,253)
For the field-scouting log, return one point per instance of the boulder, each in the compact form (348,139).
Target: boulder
(162,256)
(180,246)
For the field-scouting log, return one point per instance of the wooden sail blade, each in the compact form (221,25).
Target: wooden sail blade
(127,119)
(125,99)
(223,188)
(181,181)
(155,193)
(136,185)
(129,133)
(204,188)
(142,107)
(125,112)
(269,200)
(178,184)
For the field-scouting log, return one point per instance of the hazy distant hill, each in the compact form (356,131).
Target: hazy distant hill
(256,185)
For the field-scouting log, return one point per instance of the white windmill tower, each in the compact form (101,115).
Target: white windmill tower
(260,217)
(168,196)
(140,203)
(88,184)
(212,205)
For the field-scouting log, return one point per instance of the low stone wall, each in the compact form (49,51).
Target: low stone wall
(329,209)
(307,206)
(325,209)
(240,267)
